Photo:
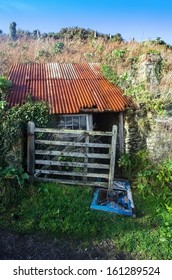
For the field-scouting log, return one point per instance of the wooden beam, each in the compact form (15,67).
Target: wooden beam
(121,132)
(72,154)
(72,144)
(79,174)
(72,182)
(113,156)
(73,132)
(72,164)
(31,150)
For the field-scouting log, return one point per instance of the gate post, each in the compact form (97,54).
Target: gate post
(31,150)
(113,157)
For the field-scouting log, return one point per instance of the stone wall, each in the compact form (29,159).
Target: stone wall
(159,140)
(134,133)
(142,132)
(150,71)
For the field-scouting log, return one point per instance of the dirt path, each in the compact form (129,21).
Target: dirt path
(14,246)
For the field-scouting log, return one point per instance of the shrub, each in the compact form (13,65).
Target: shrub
(13,124)
(43,53)
(118,53)
(58,47)
(11,181)
(117,38)
(109,73)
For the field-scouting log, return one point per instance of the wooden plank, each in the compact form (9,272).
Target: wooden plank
(73,144)
(72,164)
(121,132)
(72,154)
(73,132)
(113,155)
(31,150)
(79,174)
(86,158)
(72,182)
(76,136)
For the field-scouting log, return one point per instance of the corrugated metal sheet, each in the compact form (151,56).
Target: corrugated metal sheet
(68,88)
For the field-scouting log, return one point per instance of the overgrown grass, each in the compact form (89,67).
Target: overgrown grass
(64,211)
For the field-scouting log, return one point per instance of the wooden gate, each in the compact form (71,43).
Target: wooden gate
(71,156)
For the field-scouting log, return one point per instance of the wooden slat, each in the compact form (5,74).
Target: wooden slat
(72,164)
(71,154)
(79,174)
(76,136)
(72,182)
(72,144)
(73,132)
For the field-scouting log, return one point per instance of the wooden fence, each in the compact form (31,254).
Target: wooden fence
(71,156)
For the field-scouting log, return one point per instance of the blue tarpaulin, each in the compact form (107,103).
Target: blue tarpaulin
(116,200)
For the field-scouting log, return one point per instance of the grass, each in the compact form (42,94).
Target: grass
(77,51)
(64,212)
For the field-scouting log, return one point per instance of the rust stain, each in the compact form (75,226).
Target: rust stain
(68,88)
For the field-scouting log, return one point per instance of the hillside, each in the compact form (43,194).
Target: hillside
(126,58)
(143,70)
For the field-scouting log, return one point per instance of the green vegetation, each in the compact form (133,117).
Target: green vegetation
(148,100)
(12,180)
(12,31)
(13,124)
(58,47)
(13,121)
(109,73)
(142,97)
(150,178)
(64,211)
(69,33)
(118,53)
(11,131)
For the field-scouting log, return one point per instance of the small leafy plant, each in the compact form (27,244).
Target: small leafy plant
(12,181)
(11,173)
(58,47)
(119,53)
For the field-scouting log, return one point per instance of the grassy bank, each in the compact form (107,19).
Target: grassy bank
(64,211)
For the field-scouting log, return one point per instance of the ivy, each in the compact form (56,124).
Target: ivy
(4,87)
(141,96)
(13,121)
(147,100)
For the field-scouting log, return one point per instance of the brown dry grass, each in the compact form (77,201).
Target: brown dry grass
(92,50)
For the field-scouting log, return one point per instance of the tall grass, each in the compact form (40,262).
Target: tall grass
(90,50)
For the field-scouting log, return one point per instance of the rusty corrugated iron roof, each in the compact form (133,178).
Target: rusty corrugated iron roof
(68,88)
